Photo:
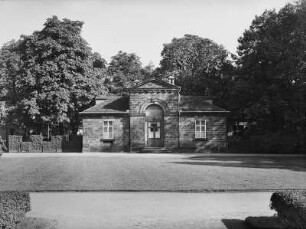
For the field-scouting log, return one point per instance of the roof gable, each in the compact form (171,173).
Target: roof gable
(155,83)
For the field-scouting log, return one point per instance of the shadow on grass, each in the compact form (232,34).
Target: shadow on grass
(37,223)
(268,162)
(234,224)
(266,222)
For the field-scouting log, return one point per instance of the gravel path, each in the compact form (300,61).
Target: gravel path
(150,172)
(149,210)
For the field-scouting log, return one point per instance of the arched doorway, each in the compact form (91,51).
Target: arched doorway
(154,126)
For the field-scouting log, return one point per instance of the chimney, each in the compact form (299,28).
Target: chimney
(171,80)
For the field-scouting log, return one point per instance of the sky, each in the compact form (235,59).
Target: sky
(137,26)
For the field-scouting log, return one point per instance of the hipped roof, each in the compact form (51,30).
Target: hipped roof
(110,105)
(198,104)
(120,105)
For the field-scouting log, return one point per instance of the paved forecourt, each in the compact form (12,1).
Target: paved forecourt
(151,172)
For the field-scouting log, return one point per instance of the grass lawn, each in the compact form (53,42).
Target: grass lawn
(147,172)
(37,223)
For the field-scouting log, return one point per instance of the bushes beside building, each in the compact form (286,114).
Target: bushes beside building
(14,143)
(269,143)
(36,144)
(13,206)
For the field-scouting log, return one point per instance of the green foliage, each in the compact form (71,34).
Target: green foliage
(123,70)
(199,65)
(269,143)
(290,207)
(47,147)
(57,143)
(265,222)
(15,143)
(147,71)
(13,206)
(26,147)
(36,144)
(51,75)
(36,141)
(271,86)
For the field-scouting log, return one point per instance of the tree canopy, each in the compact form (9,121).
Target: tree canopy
(272,69)
(123,70)
(198,64)
(50,75)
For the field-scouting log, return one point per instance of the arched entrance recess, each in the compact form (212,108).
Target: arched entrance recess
(154,126)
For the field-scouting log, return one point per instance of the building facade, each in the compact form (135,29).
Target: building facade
(154,116)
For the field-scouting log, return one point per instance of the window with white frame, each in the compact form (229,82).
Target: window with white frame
(200,128)
(108,129)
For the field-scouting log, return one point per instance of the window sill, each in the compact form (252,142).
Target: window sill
(107,140)
(200,139)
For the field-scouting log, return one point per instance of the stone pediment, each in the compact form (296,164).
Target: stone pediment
(152,85)
(155,84)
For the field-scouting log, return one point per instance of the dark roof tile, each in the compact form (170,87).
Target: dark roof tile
(198,104)
(110,104)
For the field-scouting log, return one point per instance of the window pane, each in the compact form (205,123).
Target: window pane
(202,128)
(105,123)
(197,122)
(105,129)
(197,128)
(110,129)
(110,123)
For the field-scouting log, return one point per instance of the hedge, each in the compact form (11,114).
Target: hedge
(37,141)
(26,147)
(13,206)
(265,222)
(15,143)
(290,207)
(57,142)
(36,144)
(47,147)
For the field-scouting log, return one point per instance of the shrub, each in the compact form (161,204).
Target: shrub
(265,222)
(290,207)
(279,143)
(13,206)
(47,147)
(37,223)
(57,142)
(26,147)
(3,147)
(15,143)
(37,141)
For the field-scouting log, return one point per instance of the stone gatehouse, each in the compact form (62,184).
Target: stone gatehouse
(154,116)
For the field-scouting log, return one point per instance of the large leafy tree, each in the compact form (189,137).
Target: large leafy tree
(51,75)
(200,65)
(123,70)
(272,69)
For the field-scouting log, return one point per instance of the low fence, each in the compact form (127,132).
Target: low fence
(57,144)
